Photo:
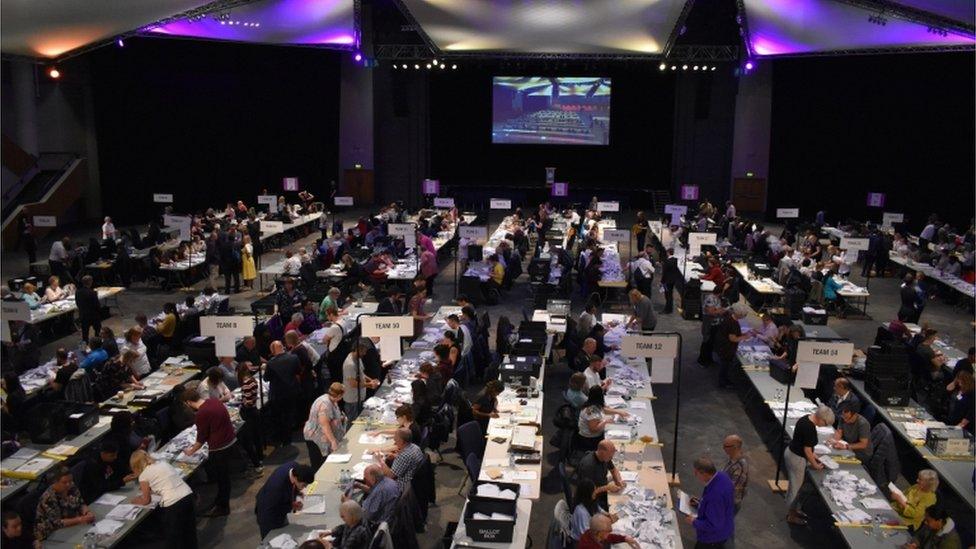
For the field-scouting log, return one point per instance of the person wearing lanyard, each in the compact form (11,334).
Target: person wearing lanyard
(215,429)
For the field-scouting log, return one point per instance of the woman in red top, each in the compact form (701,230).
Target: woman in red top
(715,273)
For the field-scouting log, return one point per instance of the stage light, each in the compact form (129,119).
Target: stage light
(749,65)
(695,67)
(404,65)
(394,65)
(120,43)
(673,67)
(54,73)
(684,67)
(453,67)
(443,67)
(434,61)
(416,67)
(713,68)
(662,66)
(428,65)
(359,57)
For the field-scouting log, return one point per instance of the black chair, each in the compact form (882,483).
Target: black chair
(473,465)
(564,481)
(470,440)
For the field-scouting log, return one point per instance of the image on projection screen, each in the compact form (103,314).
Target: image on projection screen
(550,110)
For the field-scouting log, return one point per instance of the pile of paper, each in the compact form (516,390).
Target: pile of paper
(124,511)
(646,517)
(283,541)
(490,490)
(844,488)
(106,527)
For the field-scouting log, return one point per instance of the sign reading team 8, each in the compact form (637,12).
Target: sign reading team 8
(222,326)
(379,326)
(825,352)
(649,346)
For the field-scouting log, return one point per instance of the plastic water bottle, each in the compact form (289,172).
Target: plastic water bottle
(876,527)
(89,541)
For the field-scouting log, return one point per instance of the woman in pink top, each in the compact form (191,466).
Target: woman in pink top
(428,270)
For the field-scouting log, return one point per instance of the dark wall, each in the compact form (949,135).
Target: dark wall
(212,122)
(639,154)
(902,125)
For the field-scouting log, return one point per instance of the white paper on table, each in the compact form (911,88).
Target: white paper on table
(283,541)
(494,462)
(615,402)
(822,449)
(629,476)
(807,374)
(390,348)
(338,458)
(359,470)
(637,405)
(107,527)
(857,516)
(63,449)
(110,499)
(662,370)
(522,475)
(875,504)
(123,511)
(313,505)
(24,453)
(366,438)
(684,504)
(828,462)
(895,490)
(617,434)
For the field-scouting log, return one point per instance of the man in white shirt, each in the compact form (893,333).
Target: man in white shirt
(843,266)
(592,374)
(644,265)
(58,260)
(729,210)
(108,229)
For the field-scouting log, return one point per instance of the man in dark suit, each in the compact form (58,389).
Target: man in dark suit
(277,497)
(670,276)
(254,231)
(393,303)
(89,309)
(229,250)
(284,391)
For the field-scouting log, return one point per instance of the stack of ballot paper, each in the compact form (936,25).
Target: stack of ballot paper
(493,516)
(490,490)
(106,527)
(110,499)
(124,511)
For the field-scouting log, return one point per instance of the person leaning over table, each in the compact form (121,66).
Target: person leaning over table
(216,430)
(485,405)
(715,523)
(643,317)
(938,531)
(799,455)
(598,535)
(326,425)
(382,494)
(592,421)
(405,420)
(133,343)
(594,371)
(60,506)
(853,431)
(277,497)
(332,300)
(595,466)
(585,507)
(911,505)
(102,473)
(728,335)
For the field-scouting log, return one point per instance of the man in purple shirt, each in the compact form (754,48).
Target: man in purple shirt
(715,522)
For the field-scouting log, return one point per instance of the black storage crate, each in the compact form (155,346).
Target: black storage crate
(490,531)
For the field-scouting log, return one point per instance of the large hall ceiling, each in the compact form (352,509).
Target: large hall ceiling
(52,29)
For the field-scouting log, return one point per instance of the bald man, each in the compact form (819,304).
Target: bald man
(595,466)
(598,535)
(284,391)
(587,351)
(382,493)
(736,467)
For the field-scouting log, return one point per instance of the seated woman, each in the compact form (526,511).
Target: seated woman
(911,505)
(574,394)
(167,327)
(585,506)
(831,286)
(962,408)
(933,358)
(117,375)
(29,295)
(60,506)
(214,387)
(593,421)
(54,291)
(404,419)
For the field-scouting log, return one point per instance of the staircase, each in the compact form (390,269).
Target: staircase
(660,199)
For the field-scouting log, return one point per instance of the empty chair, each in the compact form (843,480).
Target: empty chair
(473,464)
(470,440)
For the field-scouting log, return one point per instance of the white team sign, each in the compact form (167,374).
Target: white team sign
(825,352)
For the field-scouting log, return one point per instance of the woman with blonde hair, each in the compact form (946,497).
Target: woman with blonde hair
(29,294)
(912,504)
(176,498)
(54,291)
(133,342)
(326,425)
(248,271)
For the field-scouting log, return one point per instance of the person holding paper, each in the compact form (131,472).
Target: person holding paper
(715,522)
(277,497)
(585,507)
(799,455)
(728,334)
(216,430)
(853,433)
(643,317)
(485,405)
(60,506)
(911,505)
(408,460)
(593,374)
(598,536)
(326,425)
(176,503)
(355,532)
(101,473)
(382,494)
(595,466)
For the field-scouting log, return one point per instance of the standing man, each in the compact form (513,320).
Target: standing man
(670,275)
(212,257)
(284,390)
(89,308)
(229,250)
(643,317)
(715,522)
(727,338)
(737,468)
(216,430)
(799,455)
(277,497)
(58,260)
(25,228)
(853,433)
